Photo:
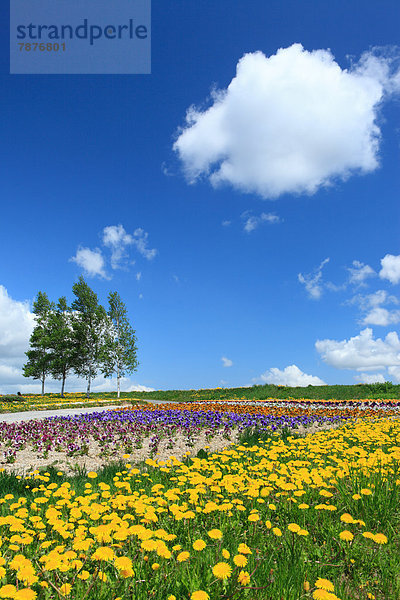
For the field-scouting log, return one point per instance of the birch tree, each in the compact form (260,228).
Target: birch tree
(62,342)
(38,365)
(90,325)
(120,355)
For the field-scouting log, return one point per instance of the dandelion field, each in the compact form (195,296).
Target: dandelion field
(304,504)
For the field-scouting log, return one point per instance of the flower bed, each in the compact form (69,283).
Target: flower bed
(313,517)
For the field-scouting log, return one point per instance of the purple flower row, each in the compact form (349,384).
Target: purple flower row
(126,429)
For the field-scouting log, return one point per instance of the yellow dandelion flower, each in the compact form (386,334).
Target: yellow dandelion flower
(379,538)
(346,535)
(215,534)
(8,591)
(346,518)
(324,584)
(226,554)
(92,475)
(293,527)
(155,566)
(276,531)
(199,595)
(321,594)
(199,545)
(244,549)
(83,575)
(240,560)
(254,517)
(65,589)
(366,492)
(182,556)
(243,578)
(103,553)
(222,570)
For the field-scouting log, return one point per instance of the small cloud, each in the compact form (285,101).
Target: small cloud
(226,362)
(140,296)
(370,304)
(313,281)
(359,272)
(117,239)
(381,316)
(390,268)
(139,276)
(176,278)
(291,376)
(252,222)
(91,261)
(140,241)
(165,170)
(226,223)
(137,387)
(394,372)
(370,378)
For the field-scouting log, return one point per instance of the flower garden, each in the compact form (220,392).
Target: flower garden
(212,501)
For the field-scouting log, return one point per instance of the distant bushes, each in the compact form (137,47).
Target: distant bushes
(261,392)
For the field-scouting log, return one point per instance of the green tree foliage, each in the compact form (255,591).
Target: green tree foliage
(120,351)
(61,342)
(38,365)
(90,324)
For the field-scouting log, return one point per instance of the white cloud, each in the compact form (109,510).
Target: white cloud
(138,276)
(371,305)
(16,326)
(390,268)
(226,362)
(140,241)
(395,373)
(136,387)
(290,376)
(226,223)
(313,281)
(359,272)
(117,239)
(91,261)
(361,352)
(252,222)
(381,316)
(289,123)
(368,301)
(370,378)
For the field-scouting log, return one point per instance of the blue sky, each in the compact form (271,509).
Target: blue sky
(230,212)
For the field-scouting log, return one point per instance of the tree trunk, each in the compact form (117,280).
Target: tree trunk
(63,385)
(43,378)
(118,383)
(88,385)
